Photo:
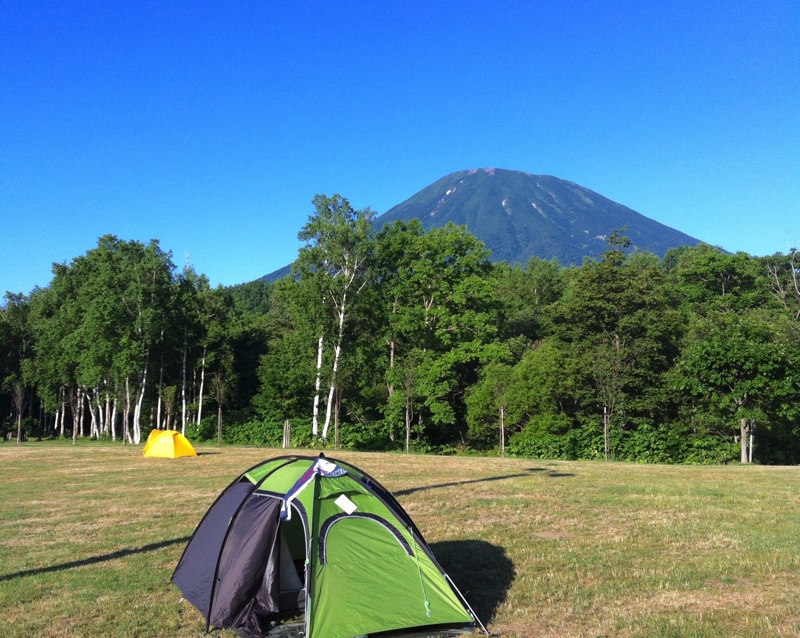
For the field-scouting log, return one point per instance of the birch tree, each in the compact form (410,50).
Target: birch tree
(335,258)
(212,308)
(146,299)
(98,324)
(55,312)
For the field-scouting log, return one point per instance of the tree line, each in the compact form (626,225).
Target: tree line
(395,338)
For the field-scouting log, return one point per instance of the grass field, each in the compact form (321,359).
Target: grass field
(89,537)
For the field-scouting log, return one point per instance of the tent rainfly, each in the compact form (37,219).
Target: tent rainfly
(169,444)
(318,538)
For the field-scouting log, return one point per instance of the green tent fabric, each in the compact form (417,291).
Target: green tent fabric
(320,537)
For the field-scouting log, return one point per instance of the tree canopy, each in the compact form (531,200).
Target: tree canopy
(398,338)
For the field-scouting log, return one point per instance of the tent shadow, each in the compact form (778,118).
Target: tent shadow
(425,488)
(481,571)
(93,560)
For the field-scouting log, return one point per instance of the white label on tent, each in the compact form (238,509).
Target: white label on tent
(346,504)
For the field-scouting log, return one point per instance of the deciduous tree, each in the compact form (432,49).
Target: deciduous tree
(335,258)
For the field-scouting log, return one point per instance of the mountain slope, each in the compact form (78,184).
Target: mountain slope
(519,215)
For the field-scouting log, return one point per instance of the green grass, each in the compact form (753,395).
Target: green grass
(89,537)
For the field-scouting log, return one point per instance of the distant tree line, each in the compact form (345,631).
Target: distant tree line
(401,339)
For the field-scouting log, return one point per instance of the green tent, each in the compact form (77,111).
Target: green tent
(316,538)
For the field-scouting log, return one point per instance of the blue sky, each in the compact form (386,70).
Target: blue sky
(210,126)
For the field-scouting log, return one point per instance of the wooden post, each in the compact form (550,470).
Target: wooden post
(287,434)
(743,434)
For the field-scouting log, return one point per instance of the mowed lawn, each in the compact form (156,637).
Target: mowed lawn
(89,536)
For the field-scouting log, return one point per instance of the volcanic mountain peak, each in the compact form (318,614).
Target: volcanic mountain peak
(519,215)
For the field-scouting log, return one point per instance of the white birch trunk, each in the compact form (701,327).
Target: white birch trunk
(81,424)
(101,415)
(101,421)
(183,390)
(336,352)
(112,420)
(137,413)
(328,412)
(160,390)
(317,384)
(62,426)
(109,425)
(74,406)
(126,435)
(94,431)
(105,413)
(202,382)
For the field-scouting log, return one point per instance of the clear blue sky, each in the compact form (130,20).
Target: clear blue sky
(211,125)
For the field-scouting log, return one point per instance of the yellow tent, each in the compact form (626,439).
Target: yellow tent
(168,444)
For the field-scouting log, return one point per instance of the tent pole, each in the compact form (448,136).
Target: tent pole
(466,604)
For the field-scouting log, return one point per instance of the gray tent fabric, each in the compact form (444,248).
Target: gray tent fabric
(248,579)
(194,574)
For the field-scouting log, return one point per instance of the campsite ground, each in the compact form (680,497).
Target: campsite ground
(89,536)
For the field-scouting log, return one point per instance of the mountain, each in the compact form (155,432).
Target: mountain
(519,216)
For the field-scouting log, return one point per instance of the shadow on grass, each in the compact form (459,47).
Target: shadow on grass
(528,471)
(92,560)
(481,571)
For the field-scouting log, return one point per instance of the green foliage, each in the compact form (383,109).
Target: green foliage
(265,433)
(204,431)
(440,312)
(253,297)
(525,294)
(538,442)
(710,279)
(739,368)
(550,437)
(425,346)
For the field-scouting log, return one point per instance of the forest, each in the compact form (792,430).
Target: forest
(399,339)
